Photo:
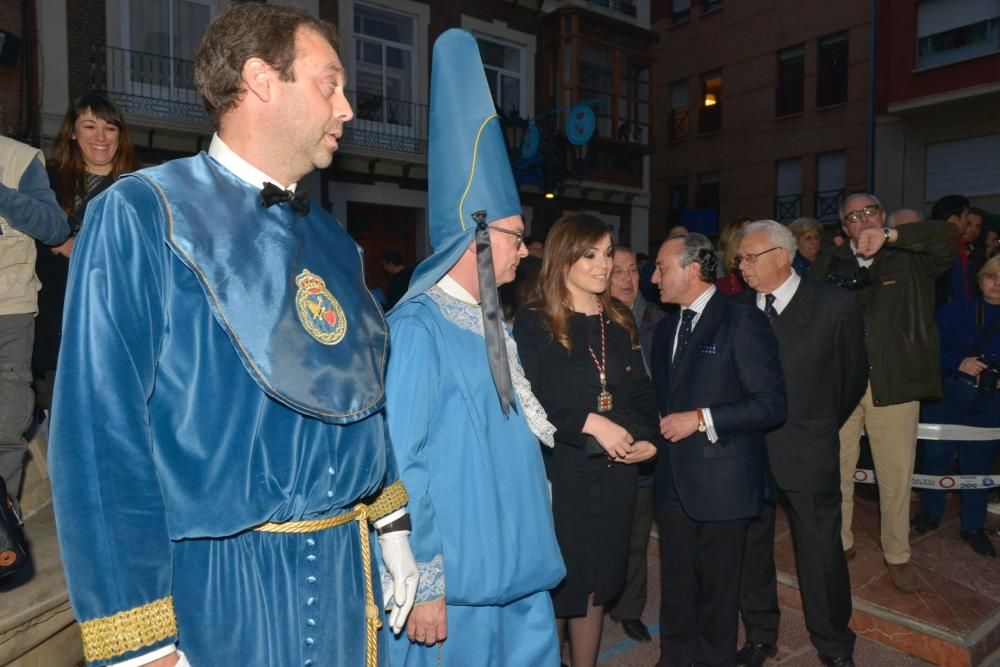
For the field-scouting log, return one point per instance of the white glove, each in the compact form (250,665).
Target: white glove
(398,560)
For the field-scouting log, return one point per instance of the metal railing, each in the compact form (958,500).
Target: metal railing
(828,205)
(679,126)
(147,84)
(626,7)
(386,124)
(787,207)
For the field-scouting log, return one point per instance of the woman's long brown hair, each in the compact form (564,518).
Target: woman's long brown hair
(67,158)
(570,237)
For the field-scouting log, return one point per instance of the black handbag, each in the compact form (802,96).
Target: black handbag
(13,554)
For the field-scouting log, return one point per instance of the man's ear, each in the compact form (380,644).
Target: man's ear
(257,77)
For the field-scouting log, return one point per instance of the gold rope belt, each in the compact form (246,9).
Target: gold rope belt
(389,500)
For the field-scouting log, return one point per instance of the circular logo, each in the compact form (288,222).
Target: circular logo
(860,475)
(318,311)
(7,558)
(531,141)
(946,482)
(580,124)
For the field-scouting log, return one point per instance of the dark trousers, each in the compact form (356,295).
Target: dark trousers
(824,581)
(974,458)
(699,601)
(632,599)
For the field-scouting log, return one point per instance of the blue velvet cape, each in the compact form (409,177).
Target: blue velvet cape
(204,388)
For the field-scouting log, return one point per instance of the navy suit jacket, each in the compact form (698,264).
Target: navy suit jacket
(730,366)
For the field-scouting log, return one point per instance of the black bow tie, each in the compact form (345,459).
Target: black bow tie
(271,194)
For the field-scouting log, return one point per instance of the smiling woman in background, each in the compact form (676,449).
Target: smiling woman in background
(91,151)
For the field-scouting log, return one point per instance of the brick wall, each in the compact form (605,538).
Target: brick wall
(86,21)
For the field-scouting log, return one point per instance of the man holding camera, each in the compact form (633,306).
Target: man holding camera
(892,270)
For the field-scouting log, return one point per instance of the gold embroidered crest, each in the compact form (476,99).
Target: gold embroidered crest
(319,312)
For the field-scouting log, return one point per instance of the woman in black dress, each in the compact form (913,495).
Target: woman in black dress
(91,151)
(579,350)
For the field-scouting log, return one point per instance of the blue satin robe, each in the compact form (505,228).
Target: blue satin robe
(483,534)
(192,404)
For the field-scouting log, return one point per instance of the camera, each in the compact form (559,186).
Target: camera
(988,378)
(858,280)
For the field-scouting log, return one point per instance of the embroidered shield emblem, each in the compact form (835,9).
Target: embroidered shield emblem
(319,312)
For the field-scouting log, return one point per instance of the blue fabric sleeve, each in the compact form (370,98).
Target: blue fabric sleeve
(108,503)
(32,209)
(412,384)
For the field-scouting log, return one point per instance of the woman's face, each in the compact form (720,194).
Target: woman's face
(809,245)
(98,141)
(589,275)
(990,284)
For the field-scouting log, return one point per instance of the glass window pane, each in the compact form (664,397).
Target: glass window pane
(372,53)
(596,67)
(510,96)
(149,23)
(389,26)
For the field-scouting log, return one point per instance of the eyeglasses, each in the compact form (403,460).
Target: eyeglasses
(519,235)
(751,257)
(615,273)
(867,212)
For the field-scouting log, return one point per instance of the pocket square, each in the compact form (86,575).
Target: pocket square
(707,349)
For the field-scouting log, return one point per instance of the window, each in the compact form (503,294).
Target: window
(788,191)
(597,68)
(503,63)
(383,64)
(633,101)
(791,81)
(830,169)
(681,11)
(970,166)
(831,82)
(679,110)
(160,41)
(952,31)
(708,190)
(678,200)
(710,116)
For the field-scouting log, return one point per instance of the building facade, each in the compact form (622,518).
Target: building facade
(764,106)
(543,58)
(938,89)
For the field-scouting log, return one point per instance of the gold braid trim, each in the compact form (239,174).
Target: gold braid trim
(389,500)
(130,630)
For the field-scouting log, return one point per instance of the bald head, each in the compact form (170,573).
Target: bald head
(904,216)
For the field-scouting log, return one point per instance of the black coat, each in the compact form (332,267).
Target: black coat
(593,499)
(730,366)
(821,343)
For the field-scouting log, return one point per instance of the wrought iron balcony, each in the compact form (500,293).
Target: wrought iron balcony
(828,205)
(787,207)
(146,84)
(678,127)
(386,124)
(626,7)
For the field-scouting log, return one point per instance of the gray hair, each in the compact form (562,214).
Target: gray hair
(857,195)
(697,248)
(891,221)
(802,226)
(778,233)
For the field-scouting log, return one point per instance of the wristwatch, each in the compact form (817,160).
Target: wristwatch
(885,233)
(702,426)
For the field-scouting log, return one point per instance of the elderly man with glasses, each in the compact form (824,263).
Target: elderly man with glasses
(892,271)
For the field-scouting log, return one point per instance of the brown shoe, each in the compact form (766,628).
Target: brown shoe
(849,553)
(904,576)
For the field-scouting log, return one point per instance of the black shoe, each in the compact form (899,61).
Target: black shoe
(836,662)
(636,629)
(979,542)
(922,524)
(754,654)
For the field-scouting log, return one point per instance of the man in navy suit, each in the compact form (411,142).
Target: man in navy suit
(719,387)
(821,339)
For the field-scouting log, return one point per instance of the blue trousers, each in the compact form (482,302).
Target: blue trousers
(974,458)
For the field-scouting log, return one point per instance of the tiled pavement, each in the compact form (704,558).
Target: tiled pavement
(960,602)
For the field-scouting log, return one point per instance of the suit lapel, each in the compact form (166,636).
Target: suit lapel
(703,332)
(796,314)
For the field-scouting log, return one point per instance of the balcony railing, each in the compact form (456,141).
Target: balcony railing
(146,84)
(828,205)
(679,126)
(626,7)
(787,207)
(386,124)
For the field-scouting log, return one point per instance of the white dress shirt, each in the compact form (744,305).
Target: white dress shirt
(698,306)
(782,294)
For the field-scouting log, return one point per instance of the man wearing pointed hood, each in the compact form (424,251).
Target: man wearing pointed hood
(464,424)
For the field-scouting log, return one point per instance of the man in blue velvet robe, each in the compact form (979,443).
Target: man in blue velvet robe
(464,425)
(219,454)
